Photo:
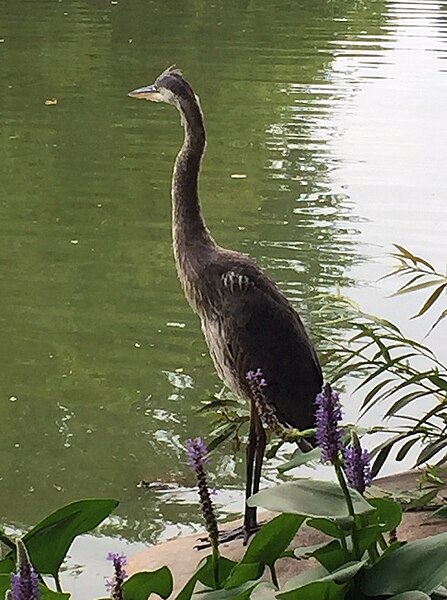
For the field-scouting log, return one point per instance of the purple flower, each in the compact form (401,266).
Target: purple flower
(197,453)
(327,418)
(115,583)
(24,583)
(197,460)
(357,465)
(256,378)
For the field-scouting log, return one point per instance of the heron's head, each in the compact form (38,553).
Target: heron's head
(169,87)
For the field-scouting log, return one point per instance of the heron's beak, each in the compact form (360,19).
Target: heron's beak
(149,92)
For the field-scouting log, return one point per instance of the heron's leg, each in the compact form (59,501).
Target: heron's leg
(250,454)
(259,456)
(255,453)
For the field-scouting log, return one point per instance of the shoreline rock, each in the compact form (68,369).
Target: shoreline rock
(181,556)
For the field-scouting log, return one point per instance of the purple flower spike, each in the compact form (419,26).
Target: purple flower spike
(256,378)
(357,466)
(327,419)
(115,584)
(197,459)
(197,453)
(24,583)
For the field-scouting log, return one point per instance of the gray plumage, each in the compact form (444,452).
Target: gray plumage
(247,321)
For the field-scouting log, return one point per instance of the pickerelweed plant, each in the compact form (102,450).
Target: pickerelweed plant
(360,559)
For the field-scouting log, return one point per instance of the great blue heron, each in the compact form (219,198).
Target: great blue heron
(246,320)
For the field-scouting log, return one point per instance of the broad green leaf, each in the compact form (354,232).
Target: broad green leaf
(300,458)
(332,556)
(204,574)
(305,552)
(318,590)
(242,592)
(388,514)
(264,591)
(299,588)
(242,572)
(5,584)
(272,539)
(327,526)
(48,542)
(309,498)
(141,585)
(413,595)
(419,565)
(7,565)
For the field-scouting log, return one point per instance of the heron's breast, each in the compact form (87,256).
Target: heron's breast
(220,352)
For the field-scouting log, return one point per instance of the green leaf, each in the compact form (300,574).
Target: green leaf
(8,565)
(317,590)
(300,458)
(272,539)
(327,526)
(440,513)
(141,585)
(405,448)
(388,514)
(305,552)
(309,498)
(204,574)
(412,595)
(419,565)
(300,588)
(242,592)
(332,556)
(49,541)
(441,317)
(431,300)
(264,591)
(224,435)
(431,450)
(243,572)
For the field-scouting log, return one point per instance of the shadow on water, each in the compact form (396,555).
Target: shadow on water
(103,363)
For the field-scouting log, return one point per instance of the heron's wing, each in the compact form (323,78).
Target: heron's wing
(262,330)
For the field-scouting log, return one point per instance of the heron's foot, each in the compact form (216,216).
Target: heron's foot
(239,533)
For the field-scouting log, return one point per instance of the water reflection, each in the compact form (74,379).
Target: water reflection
(103,362)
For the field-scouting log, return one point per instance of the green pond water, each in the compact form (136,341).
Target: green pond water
(326,144)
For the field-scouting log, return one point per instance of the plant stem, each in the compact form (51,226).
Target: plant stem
(382,542)
(9,543)
(215,561)
(344,487)
(57,582)
(274,576)
(344,544)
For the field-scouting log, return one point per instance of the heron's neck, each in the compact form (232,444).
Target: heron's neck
(188,225)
